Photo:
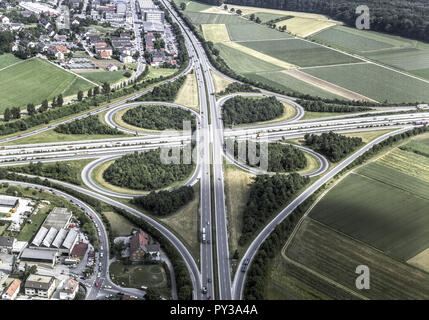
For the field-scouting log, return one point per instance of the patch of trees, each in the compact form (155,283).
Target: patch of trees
(183,280)
(58,170)
(157,117)
(267,195)
(6,38)
(320,106)
(238,87)
(12,113)
(164,92)
(247,110)
(88,125)
(281,157)
(145,171)
(163,203)
(333,145)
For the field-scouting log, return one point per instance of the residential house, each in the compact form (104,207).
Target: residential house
(124,58)
(69,289)
(6,244)
(112,67)
(138,244)
(154,250)
(12,290)
(37,285)
(5,20)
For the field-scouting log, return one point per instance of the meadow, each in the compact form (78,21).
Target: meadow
(8,59)
(39,80)
(254,31)
(104,76)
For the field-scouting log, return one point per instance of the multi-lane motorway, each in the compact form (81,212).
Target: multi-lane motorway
(211,275)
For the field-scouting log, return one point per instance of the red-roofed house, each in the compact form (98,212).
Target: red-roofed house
(12,291)
(138,246)
(62,49)
(69,290)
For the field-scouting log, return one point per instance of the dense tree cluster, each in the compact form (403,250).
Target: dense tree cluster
(145,171)
(281,157)
(6,38)
(320,106)
(163,203)
(267,195)
(157,117)
(238,87)
(247,110)
(164,92)
(333,145)
(58,170)
(87,125)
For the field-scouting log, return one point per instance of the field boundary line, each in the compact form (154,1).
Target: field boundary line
(333,65)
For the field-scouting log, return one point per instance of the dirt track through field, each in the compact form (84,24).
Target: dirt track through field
(327,86)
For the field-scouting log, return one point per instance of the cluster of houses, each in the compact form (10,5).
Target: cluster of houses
(42,287)
(116,12)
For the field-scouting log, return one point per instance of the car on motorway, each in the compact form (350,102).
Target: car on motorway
(97,284)
(209,280)
(204,290)
(246,261)
(243,268)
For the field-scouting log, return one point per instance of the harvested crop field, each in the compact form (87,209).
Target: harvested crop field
(215,32)
(305,27)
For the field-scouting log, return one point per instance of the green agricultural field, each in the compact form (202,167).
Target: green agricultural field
(120,225)
(408,59)
(242,62)
(286,82)
(213,18)
(422,73)
(300,52)
(375,82)
(378,214)
(333,257)
(360,41)
(254,31)
(29,76)
(8,59)
(105,76)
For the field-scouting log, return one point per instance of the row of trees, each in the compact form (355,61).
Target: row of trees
(247,110)
(267,195)
(157,117)
(163,203)
(12,113)
(164,92)
(238,87)
(145,171)
(281,157)
(58,170)
(333,145)
(88,125)
(320,106)
(44,114)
